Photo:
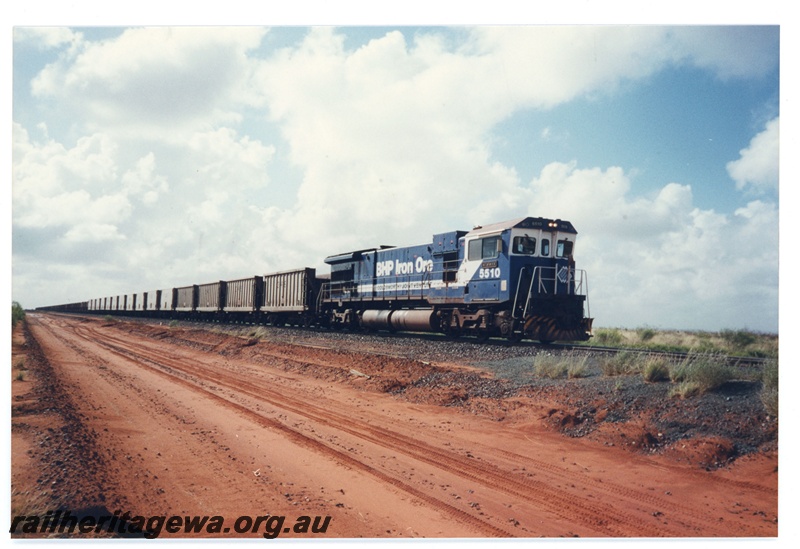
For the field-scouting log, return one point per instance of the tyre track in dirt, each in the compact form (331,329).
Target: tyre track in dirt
(605,520)
(176,372)
(538,491)
(682,514)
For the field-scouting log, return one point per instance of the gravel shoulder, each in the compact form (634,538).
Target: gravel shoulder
(708,430)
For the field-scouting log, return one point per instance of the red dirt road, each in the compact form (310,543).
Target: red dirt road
(179,422)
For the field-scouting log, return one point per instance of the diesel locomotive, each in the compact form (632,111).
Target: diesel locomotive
(516,279)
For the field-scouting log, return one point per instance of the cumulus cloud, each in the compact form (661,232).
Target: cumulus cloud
(390,146)
(756,169)
(56,186)
(46,38)
(176,209)
(554,64)
(151,79)
(662,260)
(142,181)
(729,51)
(399,127)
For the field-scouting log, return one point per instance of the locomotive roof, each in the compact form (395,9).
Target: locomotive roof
(519,223)
(524,223)
(352,256)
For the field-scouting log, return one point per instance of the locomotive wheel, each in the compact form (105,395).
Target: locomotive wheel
(507,330)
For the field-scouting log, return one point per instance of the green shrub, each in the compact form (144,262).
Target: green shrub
(738,339)
(623,363)
(769,387)
(711,373)
(560,366)
(706,346)
(578,367)
(645,334)
(707,372)
(605,336)
(17,314)
(550,366)
(685,389)
(655,369)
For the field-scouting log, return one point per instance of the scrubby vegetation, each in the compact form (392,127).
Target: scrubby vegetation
(729,342)
(705,368)
(620,364)
(561,366)
(738,339)
(655,369)
(685,389)
(611,337)
(645,334)
(701,371)
(17,314)
(769,387)
(708,372)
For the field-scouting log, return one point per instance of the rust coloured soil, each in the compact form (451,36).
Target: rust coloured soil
(164,421)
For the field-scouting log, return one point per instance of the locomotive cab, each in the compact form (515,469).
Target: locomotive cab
(524,272)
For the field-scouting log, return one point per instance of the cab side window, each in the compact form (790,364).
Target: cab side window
(484,248)
(491,247)
(475,247)
(524,245)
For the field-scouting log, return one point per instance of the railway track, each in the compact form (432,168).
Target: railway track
(672,356)
(413,344)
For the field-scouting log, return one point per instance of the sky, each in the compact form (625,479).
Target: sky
(149,157)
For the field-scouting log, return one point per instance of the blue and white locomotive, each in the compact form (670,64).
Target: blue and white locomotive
(514,279)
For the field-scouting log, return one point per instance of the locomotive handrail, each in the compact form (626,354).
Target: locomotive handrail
(576,285)
(404,288)
(585,275)
(575,280)
(517,293)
